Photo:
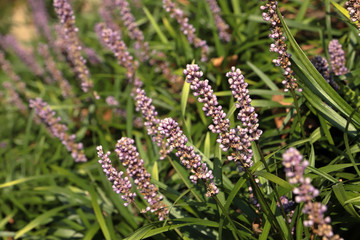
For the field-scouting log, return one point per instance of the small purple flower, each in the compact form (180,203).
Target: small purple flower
(337,58)
(321,64)
(148,111)
(130,158)
(73,47)
(58,130)
(6,66)
(28,58)
(56,74)
(175,140)
(121,185)
(118,47)
(279,46)
(41,19)
(353,7)
(222,27)
(15,99)
(133,31)
(240,138)
(304,193)
(187,28)
(111,101)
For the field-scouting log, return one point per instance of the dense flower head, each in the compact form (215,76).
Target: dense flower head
(111,101)
(247,114)
(133,31)
(121,185)
(113,41)
(279,46)
(55,73)
(222,27)
(130,158)
(305,193)
(69,30)
(58,130)
(337,58)
(175,139)
(14,98)
(239,139)
(353,7)
(321,64)
(27,57)
(148,111)
(41,19)
(6,67)
(187,28)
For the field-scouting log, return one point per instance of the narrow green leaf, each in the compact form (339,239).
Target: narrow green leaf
(155,25)
(275,179)
(263,76)
(99,214)
(41,219)
(341,196)
(184,97)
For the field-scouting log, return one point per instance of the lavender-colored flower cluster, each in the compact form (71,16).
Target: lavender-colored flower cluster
(58,130)
(279,46)
(118,47)
(148,111)
(353,7)
(6,66)
(305,193)
(15,99)
(133,31)
(321,64)
(130,158)
(67,20)
(121,185)
(187,28)
(41,19)
(175,139)
(106,13)
(337,58)
(240,138)
(55,72)
(10,42)
(111,101)
(222,27)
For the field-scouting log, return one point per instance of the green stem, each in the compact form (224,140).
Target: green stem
(274,188)
(227,216)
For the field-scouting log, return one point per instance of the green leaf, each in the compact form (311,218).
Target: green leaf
(184,97)
(341,196)
(263,76)
(275,179)
(99,214)
(41,219)
(316,83)
(155,25)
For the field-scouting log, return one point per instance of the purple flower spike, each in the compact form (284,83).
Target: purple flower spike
(41,19)
(130,158)
(222,27)
(240,138)
(56,74)
(279,46)
(321,64)
(121,185)
(247,114)
(175,139)
(337,58)
(133,31)
(6,66)
(148,111)
(353,7)
(28,58)
(69,30)
(187,28)
(305,193)
(58,130)
(113,41)
(15,99)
